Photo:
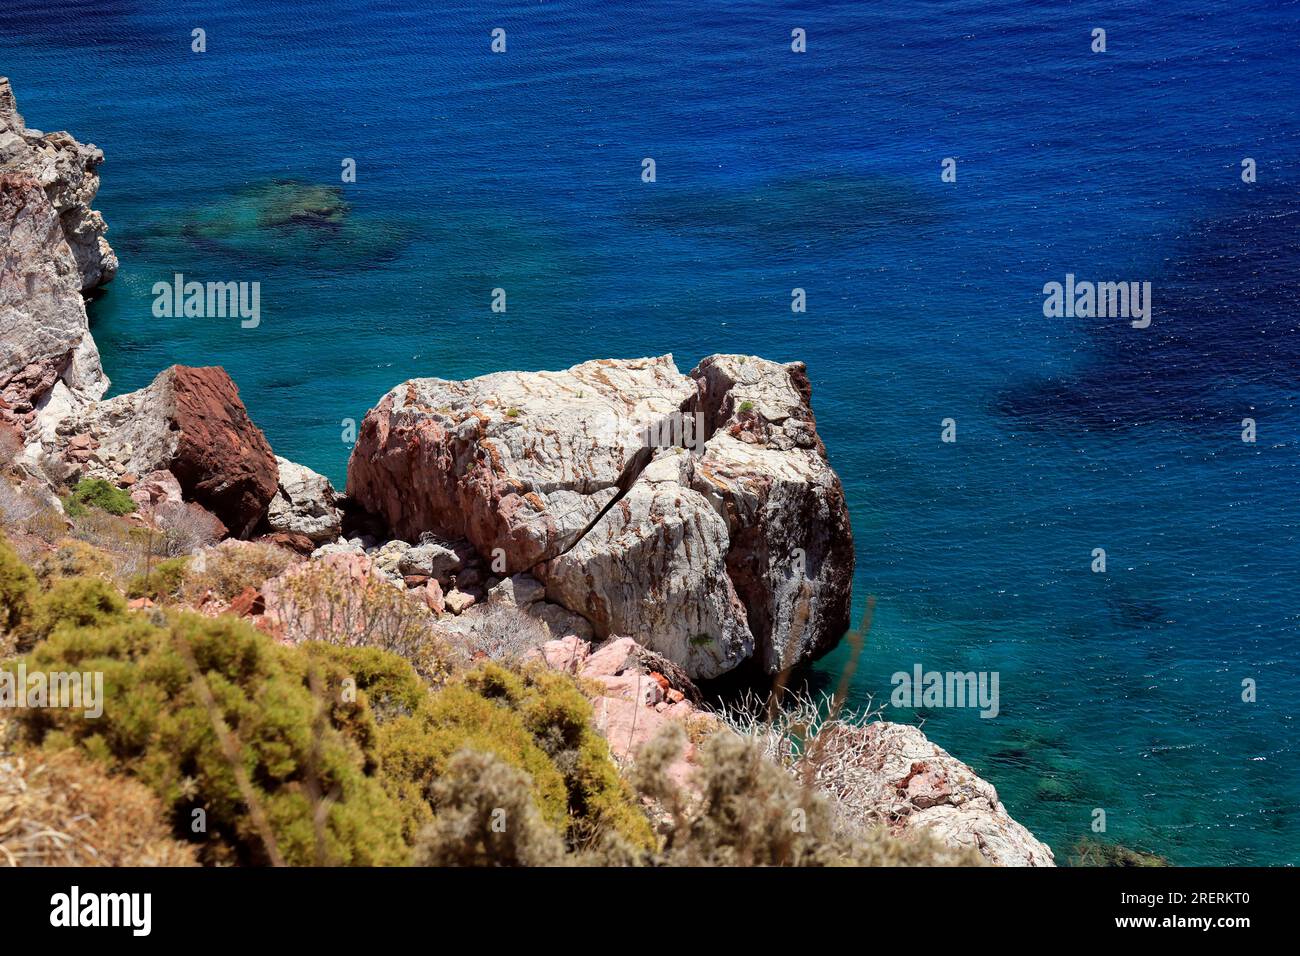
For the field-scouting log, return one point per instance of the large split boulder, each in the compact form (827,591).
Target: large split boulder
(765,470)
(719,539)
(191,422)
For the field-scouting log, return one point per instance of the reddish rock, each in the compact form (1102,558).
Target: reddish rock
(191,422)
(925,785)
(158,489)
(248,603)
(567,654)
(223,460)
(431,594)
(298,543)
(612,658)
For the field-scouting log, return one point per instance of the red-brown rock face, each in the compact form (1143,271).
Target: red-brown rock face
(223,460)
(191,422)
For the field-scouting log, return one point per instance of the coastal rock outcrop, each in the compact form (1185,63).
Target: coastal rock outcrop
(54,252)
(765,470)
(893,773)
(706,542)
(191,422)
(67,172)
(49,359)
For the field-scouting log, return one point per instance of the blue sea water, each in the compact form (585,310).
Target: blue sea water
(775,170)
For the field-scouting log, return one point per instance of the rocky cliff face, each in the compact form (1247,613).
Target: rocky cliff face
(53,252)
(49,357)
(697,512)
(67,172)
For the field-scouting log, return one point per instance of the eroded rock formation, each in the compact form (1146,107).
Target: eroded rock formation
(67,172)
(53,251)
(707,544)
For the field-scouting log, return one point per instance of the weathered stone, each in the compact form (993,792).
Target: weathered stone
(48,359)
(305,503)
(156,490)
(457,602)
(791,547)
(514,460)
(559,621)
(430,558)
(67,173)
(655,565)
(888,771)
(520,590)
(703,556)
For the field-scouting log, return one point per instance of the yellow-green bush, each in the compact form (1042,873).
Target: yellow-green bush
(17,591)
(162,582)
(298,748)
(73,558)
(537,722)
(233,566)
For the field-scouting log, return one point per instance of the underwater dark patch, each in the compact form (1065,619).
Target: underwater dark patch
(1224,334)
(280,223)
(77,24)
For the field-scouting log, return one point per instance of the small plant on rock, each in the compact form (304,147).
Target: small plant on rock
(98,493)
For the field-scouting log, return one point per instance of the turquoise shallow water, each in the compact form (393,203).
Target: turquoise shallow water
(821,171)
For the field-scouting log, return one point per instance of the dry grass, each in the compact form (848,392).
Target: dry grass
(500,632)
(319,601)
(64,810)
(233,566)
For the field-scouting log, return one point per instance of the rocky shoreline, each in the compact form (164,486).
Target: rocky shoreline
(655,528)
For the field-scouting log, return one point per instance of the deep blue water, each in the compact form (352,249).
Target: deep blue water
(822,171)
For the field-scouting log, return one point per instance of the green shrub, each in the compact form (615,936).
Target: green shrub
(162,582)
(298,750)
(17,592)
(98,493)
(537,722)
(73,558)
